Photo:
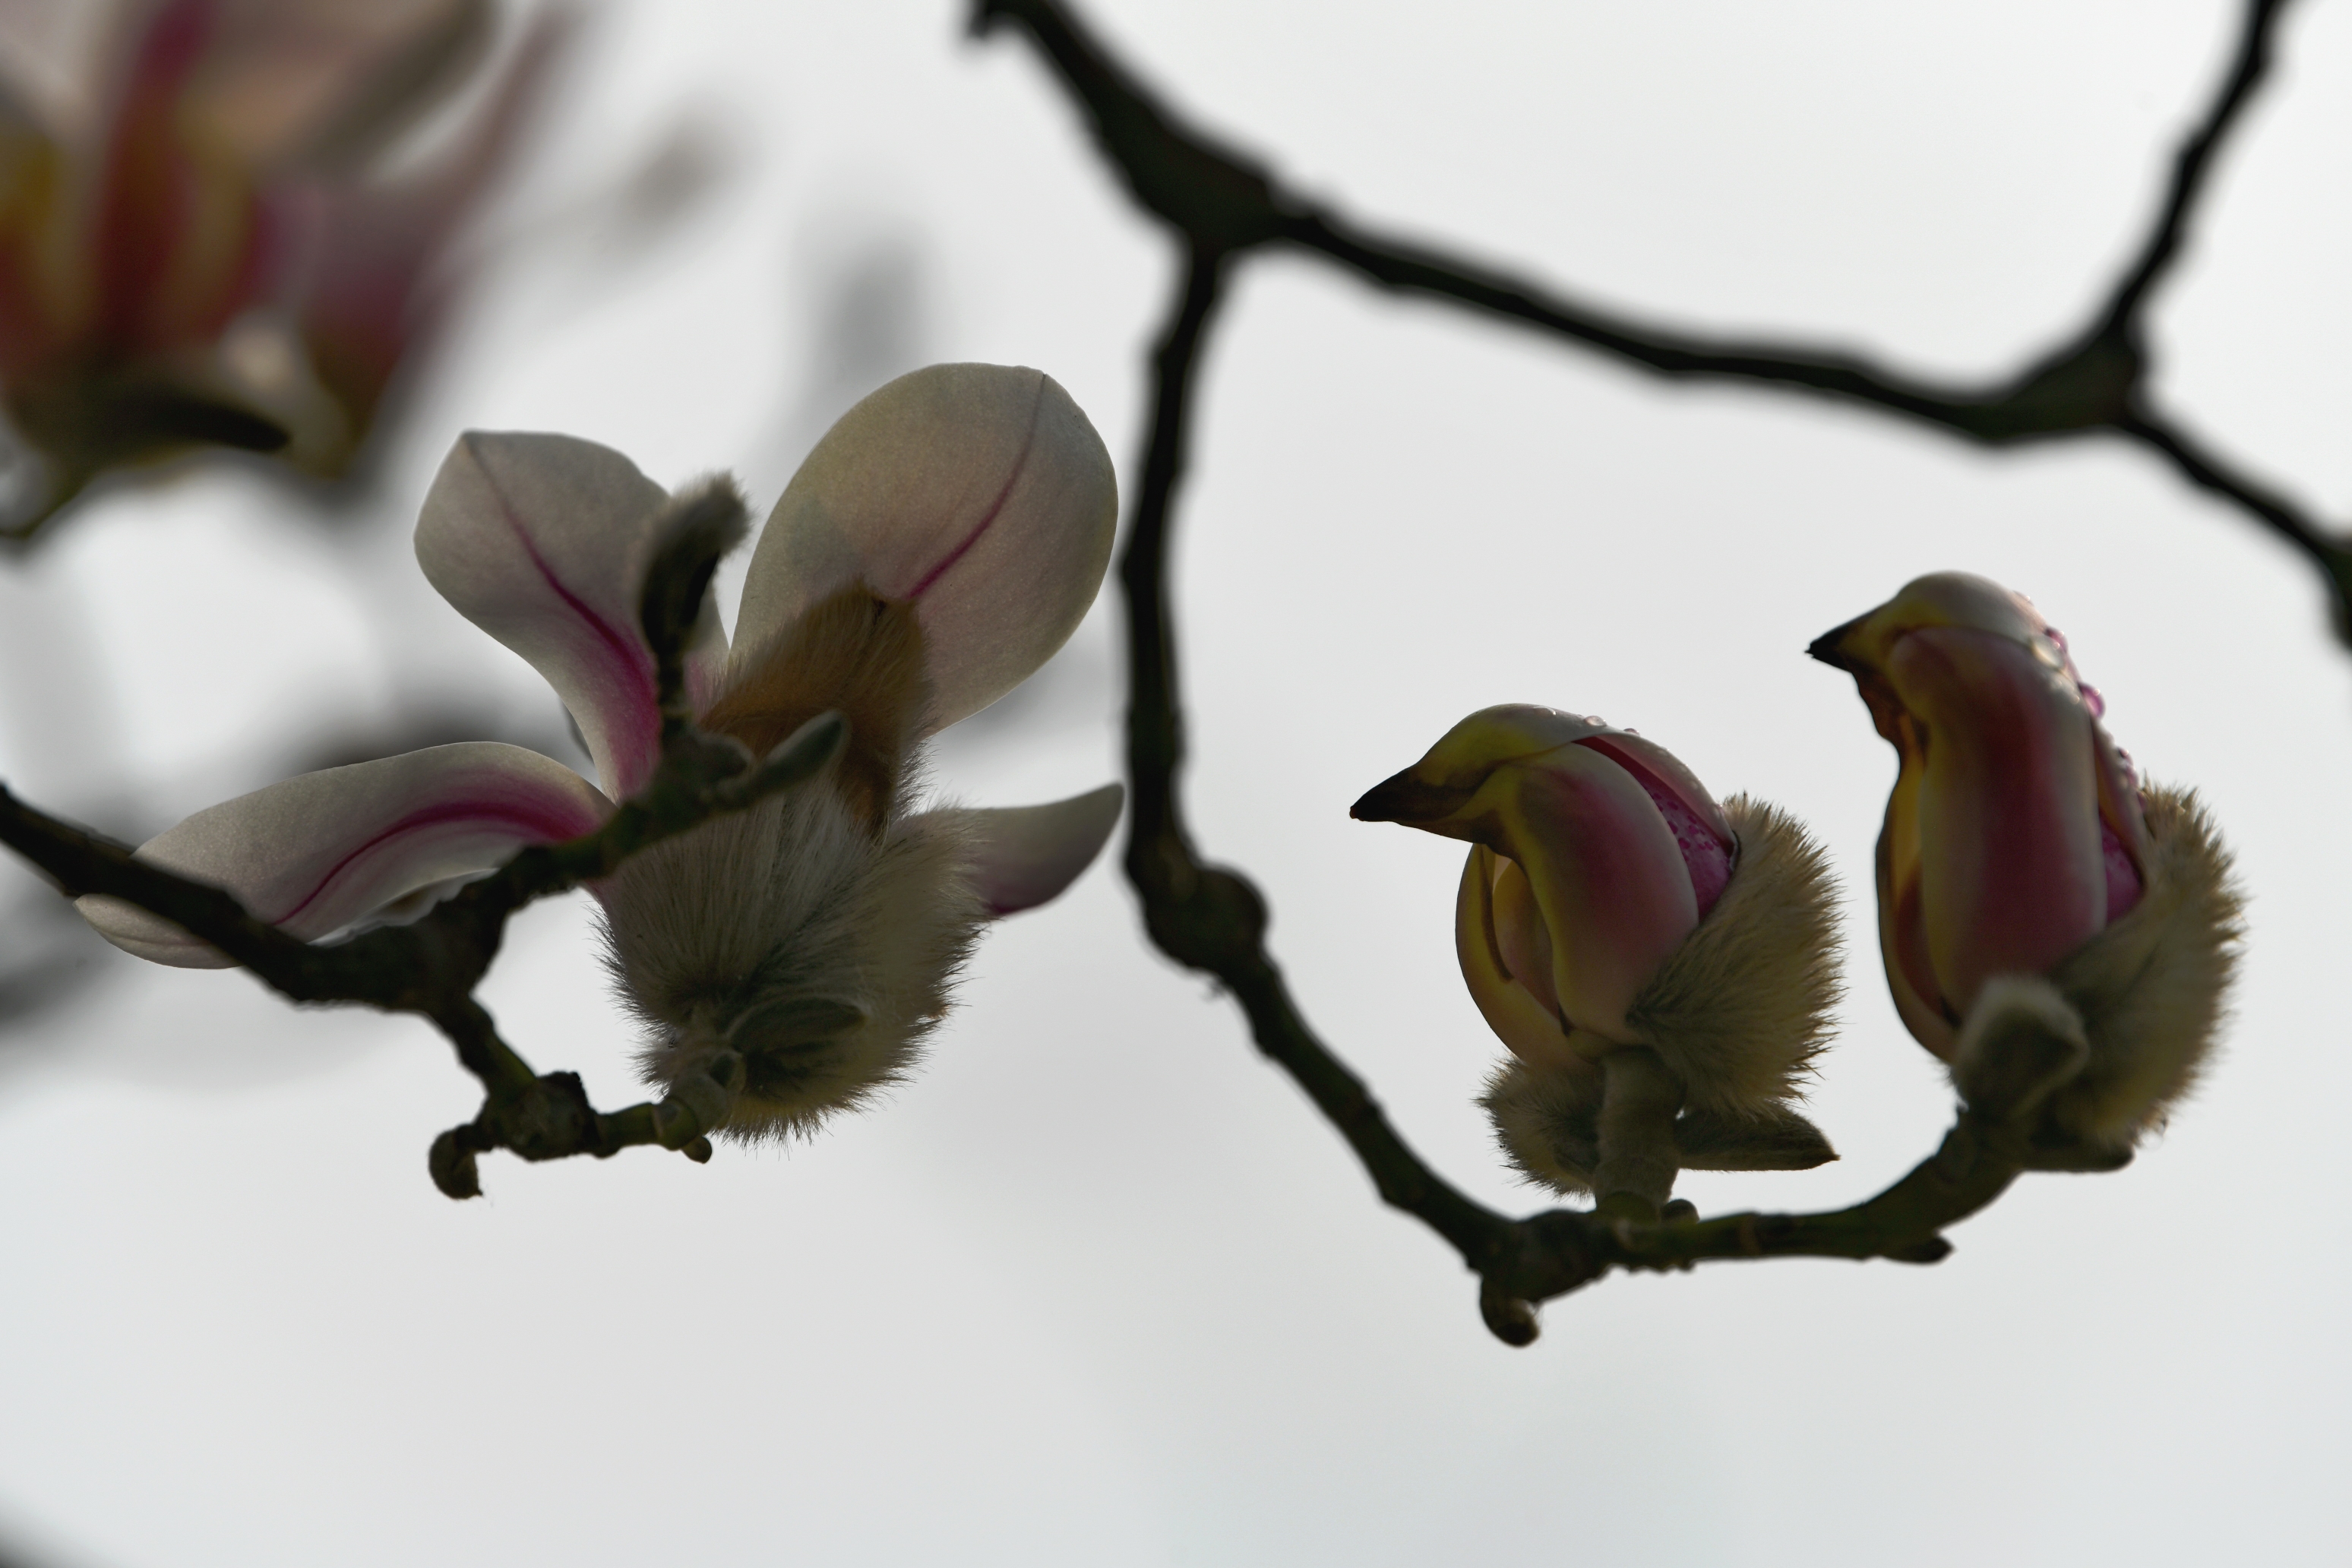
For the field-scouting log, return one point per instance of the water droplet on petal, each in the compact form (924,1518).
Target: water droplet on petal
(2092,700)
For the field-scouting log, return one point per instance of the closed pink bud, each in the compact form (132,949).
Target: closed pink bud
(1609,902)
(2059,935)
(2015,832)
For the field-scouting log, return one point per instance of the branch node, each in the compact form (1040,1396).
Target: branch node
(453,1166)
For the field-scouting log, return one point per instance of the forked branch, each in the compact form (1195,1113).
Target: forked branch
(1222,206)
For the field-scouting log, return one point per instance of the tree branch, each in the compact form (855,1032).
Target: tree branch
(1224,201)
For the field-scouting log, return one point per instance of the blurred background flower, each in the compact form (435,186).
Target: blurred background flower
(217,228)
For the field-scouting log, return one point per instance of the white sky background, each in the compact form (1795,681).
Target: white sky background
(1099,1289)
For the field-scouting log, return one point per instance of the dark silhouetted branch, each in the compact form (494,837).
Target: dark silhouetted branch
(1222,201)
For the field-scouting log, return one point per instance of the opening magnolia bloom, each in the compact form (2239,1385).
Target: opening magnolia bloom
(2024,873)
(200,240)
(940,543)
(1609,902)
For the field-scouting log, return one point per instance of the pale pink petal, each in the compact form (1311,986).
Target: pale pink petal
(1698,824)
(1530,1029)
(2013,874)
(1024,856)
(543,541)
(1607,874)
(979,492)
(320,853)
(1902,935)
(1521,938)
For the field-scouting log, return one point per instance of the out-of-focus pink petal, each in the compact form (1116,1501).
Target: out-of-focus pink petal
(179,245)
(1607,874)
(375,274)
(317,854)
(1024,856)
(1531,1030)
(543,541)
(2013,874)
(328,81)
(979,492)
(2123,825)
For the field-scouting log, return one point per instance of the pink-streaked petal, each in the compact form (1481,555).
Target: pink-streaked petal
(2125,825)
(320,853)
(1024,856)
(1529,1029)
(1691,814)
(2012,874)
(979,492)
(176,248)
(543,541)
(1607,874)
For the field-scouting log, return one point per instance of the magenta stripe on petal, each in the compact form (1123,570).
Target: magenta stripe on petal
(994,507)
(630,656)
(1704,855)
(517,818)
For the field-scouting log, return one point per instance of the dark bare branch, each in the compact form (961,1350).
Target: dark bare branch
(1224,201)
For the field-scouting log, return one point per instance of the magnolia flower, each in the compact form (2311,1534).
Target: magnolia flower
(200,243)
(2058,932)
(1609,904)
(938,545)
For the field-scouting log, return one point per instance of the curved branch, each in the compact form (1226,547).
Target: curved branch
(1223,200)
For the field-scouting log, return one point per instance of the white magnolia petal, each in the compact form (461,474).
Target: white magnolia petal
(1024,856)
(322,852)
(981,493)
(543,541)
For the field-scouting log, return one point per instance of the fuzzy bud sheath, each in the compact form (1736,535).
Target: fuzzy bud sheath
(1737,1012)
(817,934)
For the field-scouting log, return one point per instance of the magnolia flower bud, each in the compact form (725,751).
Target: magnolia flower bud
(2059,935)
(1609,904)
